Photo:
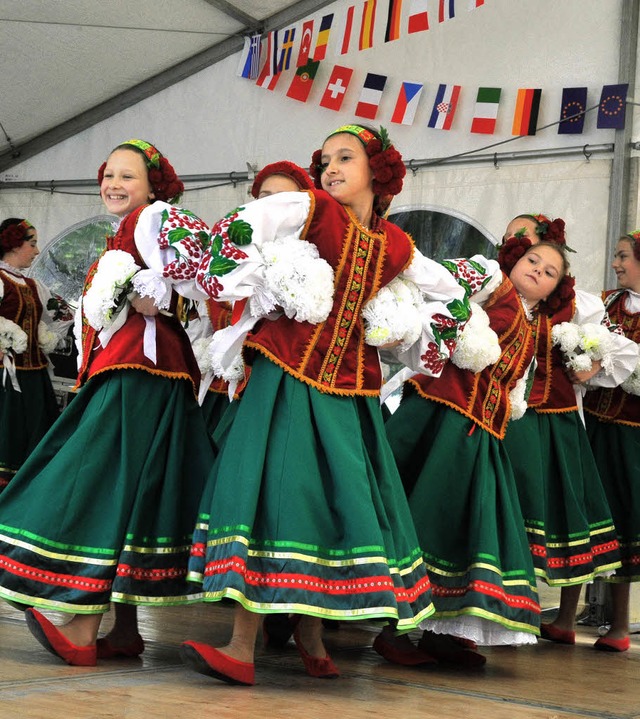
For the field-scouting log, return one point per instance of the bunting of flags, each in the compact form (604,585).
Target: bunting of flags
(277,53)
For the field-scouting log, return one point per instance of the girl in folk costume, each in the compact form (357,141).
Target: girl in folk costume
(103,510)
(447,437)
(32,322)
(566,514)
(613,426)
(304,511)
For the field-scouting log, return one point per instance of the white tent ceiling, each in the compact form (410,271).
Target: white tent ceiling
(67,64)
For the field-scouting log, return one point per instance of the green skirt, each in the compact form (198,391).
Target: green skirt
(304,510)
(214,407)
(103,510)
(565,509)
(616,448)
(465,508)
(25,417)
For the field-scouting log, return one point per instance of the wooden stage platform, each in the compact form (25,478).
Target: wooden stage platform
(546,681)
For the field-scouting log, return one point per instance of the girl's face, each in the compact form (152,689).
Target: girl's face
(22,257)
(277,183)
(522,227)
(125,185)
(537,273)
(626,267)
(346,174)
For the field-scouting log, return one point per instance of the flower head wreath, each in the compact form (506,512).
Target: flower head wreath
(166,185)
(384,160)
(516,247)
(14,232)
(635,242)
(286,168)
(548,230)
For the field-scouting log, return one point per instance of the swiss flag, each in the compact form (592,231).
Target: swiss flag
(336,87)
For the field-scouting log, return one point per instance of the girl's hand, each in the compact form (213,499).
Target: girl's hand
(390,345)
(584,375)
(144,305)
(1,356)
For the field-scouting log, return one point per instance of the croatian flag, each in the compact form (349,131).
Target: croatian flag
(371,95)
(407,103)
(444,107)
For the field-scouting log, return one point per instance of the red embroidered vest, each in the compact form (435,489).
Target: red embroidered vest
(220,317)
(484,396)
(615,404)
(21,304)
(175,357)
(552,390)
(333,356)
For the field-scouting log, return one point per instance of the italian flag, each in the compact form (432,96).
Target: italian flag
(486,112)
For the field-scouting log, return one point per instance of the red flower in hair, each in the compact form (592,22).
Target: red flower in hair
(315,170)
(560,297)
(555,232)
(14,235)
(511,250)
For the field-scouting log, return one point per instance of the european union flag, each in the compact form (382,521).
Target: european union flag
(613,103)
(574,105)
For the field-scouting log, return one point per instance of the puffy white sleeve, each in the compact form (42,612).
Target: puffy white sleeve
(620,354)
(171,241)
(256,254)
(443,307)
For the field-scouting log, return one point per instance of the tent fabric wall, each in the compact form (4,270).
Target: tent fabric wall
(215,122)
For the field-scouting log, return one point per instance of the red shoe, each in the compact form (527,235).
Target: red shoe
(407,657)
(321,667)
(208,660)
(54,641)
(106,650)
(606,644)
(445,649)
(559,636)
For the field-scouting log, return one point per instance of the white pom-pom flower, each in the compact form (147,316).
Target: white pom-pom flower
(477,345)
(12,337)
(109,288)
(394,314)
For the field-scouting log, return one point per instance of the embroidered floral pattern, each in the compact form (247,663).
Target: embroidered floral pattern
(469,274)
(188,236)
(349,310)
(224,253)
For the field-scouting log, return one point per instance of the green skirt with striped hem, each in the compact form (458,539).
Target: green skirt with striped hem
(25,418)
(465,508)
(616,448)
(567,517)
(103,510)
(304,510)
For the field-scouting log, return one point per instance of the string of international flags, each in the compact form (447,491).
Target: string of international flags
(356,24)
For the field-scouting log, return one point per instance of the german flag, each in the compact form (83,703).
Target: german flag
(393,21)
(525,118)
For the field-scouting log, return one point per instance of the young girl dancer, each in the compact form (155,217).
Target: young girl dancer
(29,330)
(103,510)
(447,437)
(613,425)
(566,513)
(304,511)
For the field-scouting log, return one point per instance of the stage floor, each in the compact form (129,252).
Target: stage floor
(545,681)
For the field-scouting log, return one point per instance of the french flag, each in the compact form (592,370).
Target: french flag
(371,95)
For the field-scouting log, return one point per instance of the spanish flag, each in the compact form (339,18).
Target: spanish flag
(525,118)
(368,22)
